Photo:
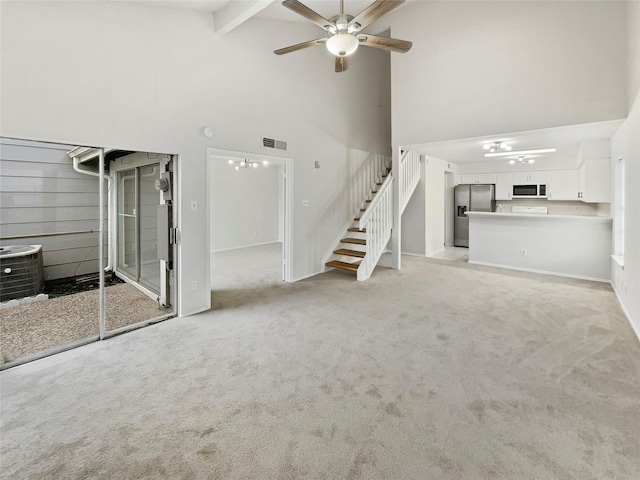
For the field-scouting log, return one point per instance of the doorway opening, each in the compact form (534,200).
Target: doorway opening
(250,220)
(143,239)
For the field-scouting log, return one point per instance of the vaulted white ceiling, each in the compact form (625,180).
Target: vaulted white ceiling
(265,9)
(228,14)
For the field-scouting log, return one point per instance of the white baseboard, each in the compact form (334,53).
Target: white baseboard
(437,252)
(308,276)
(635,329)
(410,254)
(245,246)
(543,272)
(193,312)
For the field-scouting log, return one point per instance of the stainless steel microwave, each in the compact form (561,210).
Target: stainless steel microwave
(529,191)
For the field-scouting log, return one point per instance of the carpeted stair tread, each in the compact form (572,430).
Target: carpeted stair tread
(349,267)
(355,241)
(349,253)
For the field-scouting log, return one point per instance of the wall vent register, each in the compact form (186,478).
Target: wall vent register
(268,142)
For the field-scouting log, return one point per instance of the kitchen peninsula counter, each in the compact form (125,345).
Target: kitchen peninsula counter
(576,246)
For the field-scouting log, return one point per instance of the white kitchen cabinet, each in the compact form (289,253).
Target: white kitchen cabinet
(563,185)
(478,178)
(503,186)
(595,181)
(529,178)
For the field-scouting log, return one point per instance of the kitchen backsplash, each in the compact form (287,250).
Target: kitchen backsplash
(561,208)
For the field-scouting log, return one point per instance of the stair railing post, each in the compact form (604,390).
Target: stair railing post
(396,238)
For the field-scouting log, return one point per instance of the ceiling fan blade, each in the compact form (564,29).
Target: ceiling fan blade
(300,46)
(385,43)
(341,64)
(306,12)
(373,12)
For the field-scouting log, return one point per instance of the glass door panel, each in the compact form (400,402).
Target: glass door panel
(127,224)
(139,195)
(150,198)
(49,251)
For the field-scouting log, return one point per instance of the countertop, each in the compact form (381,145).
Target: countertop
(587,218)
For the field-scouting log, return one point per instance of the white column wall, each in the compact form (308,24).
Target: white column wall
(626,144)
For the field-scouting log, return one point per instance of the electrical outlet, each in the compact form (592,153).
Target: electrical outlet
(523,252)
(194,284)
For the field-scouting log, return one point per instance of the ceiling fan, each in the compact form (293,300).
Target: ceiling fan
(344,31)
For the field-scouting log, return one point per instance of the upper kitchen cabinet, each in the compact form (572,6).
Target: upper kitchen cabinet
(529,178)
(484,178)
(595,181)
(503,186)
(563,185)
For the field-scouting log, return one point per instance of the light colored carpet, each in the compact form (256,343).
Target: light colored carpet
(32,328)
(442,370)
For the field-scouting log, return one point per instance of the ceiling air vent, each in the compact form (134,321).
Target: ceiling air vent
(273,143)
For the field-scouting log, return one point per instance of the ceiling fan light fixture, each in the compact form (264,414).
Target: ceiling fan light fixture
(342,44)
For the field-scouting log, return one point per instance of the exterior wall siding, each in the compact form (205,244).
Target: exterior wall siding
(41,194)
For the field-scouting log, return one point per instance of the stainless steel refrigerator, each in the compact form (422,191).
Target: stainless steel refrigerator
(470,198)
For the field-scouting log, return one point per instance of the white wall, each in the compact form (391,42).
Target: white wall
(626,144)
(181,76)
(244,205)
(435,198)
(633,50)
(423,221)
(414,218)
(575,247)
(480,68)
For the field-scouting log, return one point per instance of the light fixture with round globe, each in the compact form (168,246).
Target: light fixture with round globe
(342,44)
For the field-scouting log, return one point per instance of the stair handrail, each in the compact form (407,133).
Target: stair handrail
(382,165)
(409,176)
(377,221)
(366,216)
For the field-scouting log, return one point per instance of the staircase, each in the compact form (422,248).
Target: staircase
(352,247)
(361,245)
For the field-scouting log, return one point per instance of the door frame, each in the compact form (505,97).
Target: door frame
(166,277)
(287,179)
